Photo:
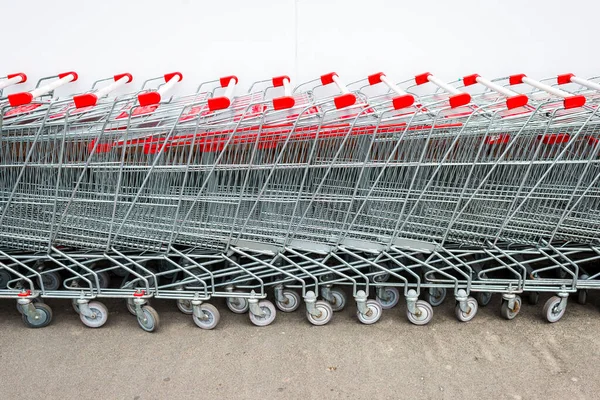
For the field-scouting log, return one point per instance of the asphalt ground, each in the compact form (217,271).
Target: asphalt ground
(488,357)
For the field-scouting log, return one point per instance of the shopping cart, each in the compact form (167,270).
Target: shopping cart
(227,196)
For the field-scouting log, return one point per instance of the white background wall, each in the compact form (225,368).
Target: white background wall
(257,39)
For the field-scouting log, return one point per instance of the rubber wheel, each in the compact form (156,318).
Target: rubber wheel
(269,309)
(436,296)
(393,297)
(75,305)
(291,302)
(533,298)
(582,296)
(483,298)
(470,314)
(213,317)
(339,300)
(373,314)
(51,280)
(506,312)
(550,309)
(101,315)
(4,278)
(151,322)
(380,278)
(185,306)
(35,300)
(130,304)
(103,279)
(239,306)
(42,319)
(423,315)
(326,313)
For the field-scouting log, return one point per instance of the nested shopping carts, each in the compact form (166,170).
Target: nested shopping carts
(409,189)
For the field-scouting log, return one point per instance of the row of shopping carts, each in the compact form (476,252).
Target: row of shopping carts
(379,189)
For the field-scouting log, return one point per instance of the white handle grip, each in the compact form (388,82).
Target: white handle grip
(169,84)
(287,87)
(223,102)
(152,98)
(91,99)
(568,78)
(19,99)
(570,100)
(346,99)
(513,99)
(338,82)
(13,79)
(403,99)
(123,80)
(69,77)
(286,101)
(457,97)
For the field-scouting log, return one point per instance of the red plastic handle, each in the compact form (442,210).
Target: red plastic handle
(171,75)
(22,75)
(75,76)
(224,81)
(278,80)
(128,75)
(328,78)
(85,100)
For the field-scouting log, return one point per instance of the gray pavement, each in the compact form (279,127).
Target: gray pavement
(488,357)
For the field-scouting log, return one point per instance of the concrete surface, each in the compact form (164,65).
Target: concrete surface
(488,357)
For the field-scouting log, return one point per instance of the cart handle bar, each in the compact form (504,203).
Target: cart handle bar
(457,97)
(91,99)
(569,100)
(403,100)
(568,78)
(22,98)
(13,79)
(223,102)
(513,99)
(346,99)
(152,98)
(285,101)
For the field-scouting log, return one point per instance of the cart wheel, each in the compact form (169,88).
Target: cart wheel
(51,280)
(4,278)
(150,321)
(75,305)
(483,298)
(103,279)
(562,274)
(35,300)
(239,306)
(42,318)
(326,313)
(290,303)
(373,314)
(101,315)
(393,296)
(423,315)
(383,277)
(511,313)
(339,300)
(269,309)
(470,314)
(213,317)
(551,311)
(130,304)
(582,296)
(533,298)
(185,306)
(436,296)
